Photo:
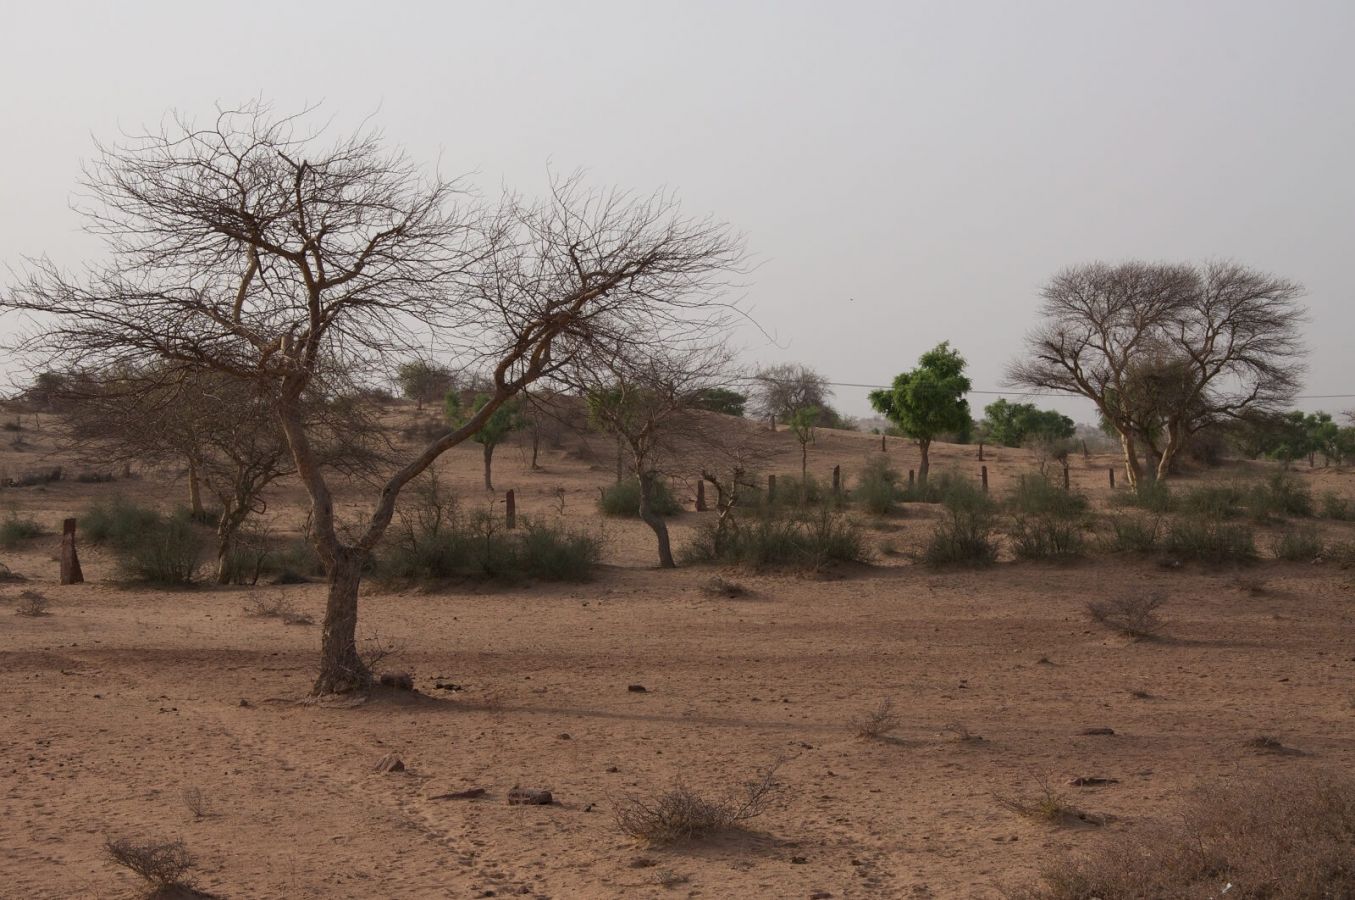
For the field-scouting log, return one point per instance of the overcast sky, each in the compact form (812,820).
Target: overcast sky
(906,173)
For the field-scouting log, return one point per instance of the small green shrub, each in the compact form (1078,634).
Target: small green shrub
(1047,536)
(1282,494)
(14,530)
(1210,540)
(1153,496)
(1039,496)
(771,541)
(294,562)
(1334,506)
(877,487)
(623,499)
(1214,501)
(116,520)
(964,535)
(1297,545)
(935,490)
(1134,533)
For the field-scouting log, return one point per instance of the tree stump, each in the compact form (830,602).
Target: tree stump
(700,495)
(70,562)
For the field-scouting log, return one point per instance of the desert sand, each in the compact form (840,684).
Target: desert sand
(125,698)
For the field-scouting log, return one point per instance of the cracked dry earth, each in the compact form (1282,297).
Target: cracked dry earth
(123,699)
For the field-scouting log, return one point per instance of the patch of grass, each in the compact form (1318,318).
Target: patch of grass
(808,541)
(32,604)
(681,813)
(1297,544)
(964,535)
(1334,506)
(1045,805)
(14,530)
(1152,496)
(1133,615)
(1215,501)
(276,606)
(1281,834)
(1282,494)
(116,520)
(1037,496)
(623,499)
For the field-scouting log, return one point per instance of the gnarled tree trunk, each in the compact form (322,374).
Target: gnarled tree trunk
(654,520)
(925,445)
(341,667)
(489,465)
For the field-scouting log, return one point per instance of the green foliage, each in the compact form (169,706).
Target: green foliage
(436,542)
(1334,506)
(1282,494)
(423,381)
(1047,521)
(1135,533)
(623,499)
(1297,544)
(777,541)
(1035,495)
(1012,424)
(116,521)
(964,535)
(14,530)
(1153,496)
(501,423)
(1210,540)
(929,400)
(802,423)
(721,400)
(1217,501)
(150,546)
(877,487)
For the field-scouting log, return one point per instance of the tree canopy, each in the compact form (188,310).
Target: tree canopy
(928,401)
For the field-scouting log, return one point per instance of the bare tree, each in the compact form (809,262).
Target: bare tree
(648,398)
(250,247)
(781,391)
(1219,341)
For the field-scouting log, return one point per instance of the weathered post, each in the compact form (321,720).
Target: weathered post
(1111,470)
(837,481)
(1065,474)
(912,479)
(883,448)
(511,510)
(771,488)
(983,477)
(980,451)
(70,562)
(700,495)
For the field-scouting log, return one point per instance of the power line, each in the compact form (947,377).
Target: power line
(852,384)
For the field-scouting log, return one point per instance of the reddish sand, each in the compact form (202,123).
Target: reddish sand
(124,698)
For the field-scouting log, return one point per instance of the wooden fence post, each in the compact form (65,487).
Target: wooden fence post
(1111,470)
(70,562)
(980,451)
(983,477)
(700,495)
(511,510)
(771,488)
(837,481)
(1065,474)
(912,479)
(883,448)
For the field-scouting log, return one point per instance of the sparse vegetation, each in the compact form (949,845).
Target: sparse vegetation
(1132,533)
(1297,544)
(1283,834)
(14,530)
(165,865)
(808,541)
(623,499)
(1045,805)
(32,604)
(719,586)
(1133,615)
(877,487)
(1210,540)
(680,813)
(276,606)
(877,722)
(964,535)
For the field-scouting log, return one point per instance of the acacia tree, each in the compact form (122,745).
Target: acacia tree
(802,424)
(1012,424)
(1167,350)
(423,381)
(251,247)
(505,420)
(782,390)
(927,402)
(649,400)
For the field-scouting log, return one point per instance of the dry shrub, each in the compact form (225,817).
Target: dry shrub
(719,586)
(32,604)
(163,864)
(680,813)
(878,722)
(1133,615)
(1046,805)
(277,606)
(1286,834)
(197,803)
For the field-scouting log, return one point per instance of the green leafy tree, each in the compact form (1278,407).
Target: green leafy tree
(928,401)
(1012,424)
(802,423)
(501,423)
(721,400)
(423,381)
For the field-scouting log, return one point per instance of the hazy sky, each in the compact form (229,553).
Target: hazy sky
(905,172)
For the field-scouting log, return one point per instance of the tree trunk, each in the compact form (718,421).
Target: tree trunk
(620,466)
(655,521)
(1132,471)
(194,490)
(926,464)
(804,467)
(536,447)
(489,463)
(341,667)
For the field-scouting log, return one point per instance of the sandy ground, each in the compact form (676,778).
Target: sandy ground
(124,698)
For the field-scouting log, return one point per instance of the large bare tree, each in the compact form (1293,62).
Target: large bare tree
(257,248)
(1166,350)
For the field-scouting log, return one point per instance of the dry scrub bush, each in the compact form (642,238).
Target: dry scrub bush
(163,864)
(719,586)
(197,803)
(278,606)
(1045,805)
(680,814)
(1133,615)
(32,604)
(1286,835)
(1297,545)
(878,722)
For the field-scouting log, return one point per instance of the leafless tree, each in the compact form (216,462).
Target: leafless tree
(648,398)
(1219,340)
(256,248)
(781,391)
